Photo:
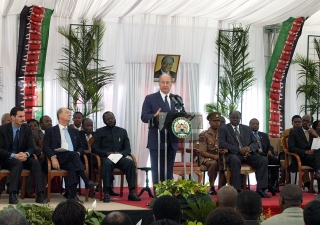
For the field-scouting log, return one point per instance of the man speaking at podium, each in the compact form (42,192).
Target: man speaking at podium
(161,101)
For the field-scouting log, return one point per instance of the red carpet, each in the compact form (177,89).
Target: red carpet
(270,205)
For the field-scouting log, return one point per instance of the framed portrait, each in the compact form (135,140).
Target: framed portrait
(166,63)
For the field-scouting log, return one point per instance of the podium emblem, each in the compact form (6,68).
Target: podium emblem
(181,127)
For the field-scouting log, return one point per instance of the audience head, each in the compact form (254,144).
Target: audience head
(249,204)
(34,124)
(64,116)
(165,83)
(70,212)
(254,124)
(17,115)
(222,121)
(214,120)
(167,63)
(235,117)
(87,125)
(296,121)
(12,217)
(316,125)
(6,118)
(165,222)
(45,122)
(225,216)
(227,197)
(290,196)
(307,121)
(109,119)
(311,213)
(77,119)
(117,218)
(161,211)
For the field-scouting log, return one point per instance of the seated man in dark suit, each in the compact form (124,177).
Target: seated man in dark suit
(300,141)
(114,140)
(16,150)
(242,147)
(85,134)
(267,150)
(67,138)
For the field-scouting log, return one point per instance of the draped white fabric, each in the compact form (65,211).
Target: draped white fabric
(139,30)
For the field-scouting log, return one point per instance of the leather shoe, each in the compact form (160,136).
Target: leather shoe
(66,195)
(13,198)
(113,193)
(106,198)
(29,195)
(133,197)
(262,194)
(40,198)
(91,184)
(271,189)
(77,199)
(212,191)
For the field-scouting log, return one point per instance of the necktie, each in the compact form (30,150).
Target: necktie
(167,108)
(258,139)
(15,147)
(68,139)
(307,135)
(238,137)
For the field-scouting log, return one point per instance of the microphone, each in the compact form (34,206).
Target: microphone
(172,97)
(179,99)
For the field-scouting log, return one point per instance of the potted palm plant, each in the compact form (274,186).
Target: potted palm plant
(237,76)
(81,73)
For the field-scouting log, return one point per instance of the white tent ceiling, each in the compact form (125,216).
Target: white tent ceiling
(253,12)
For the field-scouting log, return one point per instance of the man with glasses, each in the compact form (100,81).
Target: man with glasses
(152,106)
(300,142)
(242,147)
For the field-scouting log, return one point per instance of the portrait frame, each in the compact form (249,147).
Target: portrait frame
(173,70)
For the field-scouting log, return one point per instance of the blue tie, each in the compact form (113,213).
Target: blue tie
(167,108)
(68,139)
(15,147)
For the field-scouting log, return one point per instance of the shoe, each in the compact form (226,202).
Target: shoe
(40,198)
(306,185)
(13,198)
(113,193)
(271,189)
(262,194)
(77,199)
(212,191)
(91,184)
(106,198)
(133,197)
(29,195)
(66,195)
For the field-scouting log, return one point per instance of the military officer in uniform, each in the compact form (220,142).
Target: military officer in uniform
(208,147)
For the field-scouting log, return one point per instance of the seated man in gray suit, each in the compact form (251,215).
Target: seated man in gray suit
(242,147)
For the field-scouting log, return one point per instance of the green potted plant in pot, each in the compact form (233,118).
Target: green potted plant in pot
(194,199)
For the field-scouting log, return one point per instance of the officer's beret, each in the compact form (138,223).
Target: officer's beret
(214,116)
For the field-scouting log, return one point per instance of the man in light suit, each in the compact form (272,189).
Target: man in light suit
(290,201)
(152,106)
(16,153)
(242,147)
(62,136)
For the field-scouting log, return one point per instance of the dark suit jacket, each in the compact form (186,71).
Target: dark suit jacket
(83,139)
(150,106)
(158,73)
(265,142)
(121,142)
(52,140)
(37,138)
(228,139)
(298,143)
(6,140)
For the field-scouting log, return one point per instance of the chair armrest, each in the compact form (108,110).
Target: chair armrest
(222,159)
(90,154)
(134,160)
(294,155)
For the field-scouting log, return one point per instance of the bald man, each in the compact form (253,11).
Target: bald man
(227,197)
(6,118)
